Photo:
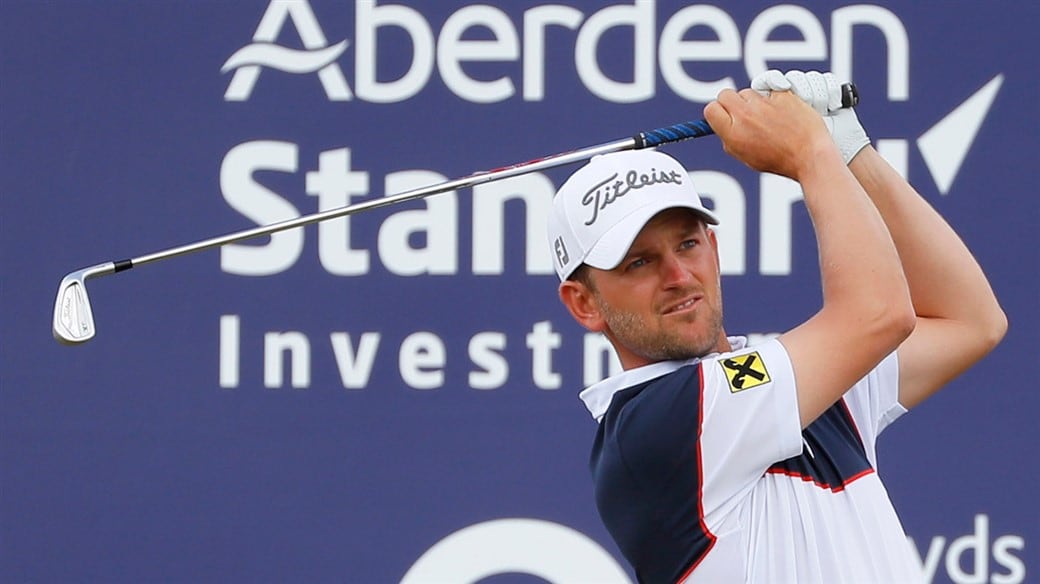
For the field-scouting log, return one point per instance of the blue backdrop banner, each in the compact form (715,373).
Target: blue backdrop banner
(392,396)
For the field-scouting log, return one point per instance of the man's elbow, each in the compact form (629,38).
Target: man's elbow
(992,328)
(886,324)
(903,321)
(896,321)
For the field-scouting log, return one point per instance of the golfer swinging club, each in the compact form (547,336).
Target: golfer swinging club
(715,461)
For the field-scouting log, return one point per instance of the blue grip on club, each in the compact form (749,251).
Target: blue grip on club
(673,133)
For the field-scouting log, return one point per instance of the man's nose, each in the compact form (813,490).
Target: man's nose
(673,271)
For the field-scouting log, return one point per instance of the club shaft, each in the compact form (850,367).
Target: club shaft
(648,139)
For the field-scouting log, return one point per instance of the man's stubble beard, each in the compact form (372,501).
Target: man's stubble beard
(662,345)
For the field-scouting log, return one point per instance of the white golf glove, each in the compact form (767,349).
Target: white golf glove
(823,92)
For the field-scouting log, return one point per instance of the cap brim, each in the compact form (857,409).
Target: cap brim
(611,248)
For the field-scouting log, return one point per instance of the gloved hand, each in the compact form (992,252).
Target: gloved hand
(823,92)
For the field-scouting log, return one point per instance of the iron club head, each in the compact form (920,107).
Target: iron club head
(73,319)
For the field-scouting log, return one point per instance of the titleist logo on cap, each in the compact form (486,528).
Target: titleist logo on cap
(612,188)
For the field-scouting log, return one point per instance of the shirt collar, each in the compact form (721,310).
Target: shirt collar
(597,396)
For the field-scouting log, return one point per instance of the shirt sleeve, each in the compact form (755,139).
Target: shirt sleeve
(874,402)
(750,419)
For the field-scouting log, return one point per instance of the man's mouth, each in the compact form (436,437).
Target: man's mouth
(683,306)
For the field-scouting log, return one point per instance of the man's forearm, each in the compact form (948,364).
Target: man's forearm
(945,280)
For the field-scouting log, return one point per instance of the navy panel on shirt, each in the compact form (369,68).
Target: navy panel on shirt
(835,455)
(646,468)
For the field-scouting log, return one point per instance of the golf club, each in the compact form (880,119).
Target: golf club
(74,321)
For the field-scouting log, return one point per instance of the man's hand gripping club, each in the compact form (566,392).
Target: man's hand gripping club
(823,92)
(775,132)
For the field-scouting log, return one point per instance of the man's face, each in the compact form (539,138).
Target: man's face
(664,301)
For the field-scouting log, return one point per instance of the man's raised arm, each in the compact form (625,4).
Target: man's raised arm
(958,319)
(866,309)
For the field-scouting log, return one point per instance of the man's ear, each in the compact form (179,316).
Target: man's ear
(582,304)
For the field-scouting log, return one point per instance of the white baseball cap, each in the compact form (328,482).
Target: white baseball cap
(602,207)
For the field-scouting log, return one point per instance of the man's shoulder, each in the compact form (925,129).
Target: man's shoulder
(599,396)
(684,377)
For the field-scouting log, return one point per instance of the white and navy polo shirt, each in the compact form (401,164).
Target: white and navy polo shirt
(703,474)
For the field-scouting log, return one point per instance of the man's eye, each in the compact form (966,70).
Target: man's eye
(688,244)
(636,263)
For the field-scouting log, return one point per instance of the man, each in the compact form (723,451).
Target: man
(719,462)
